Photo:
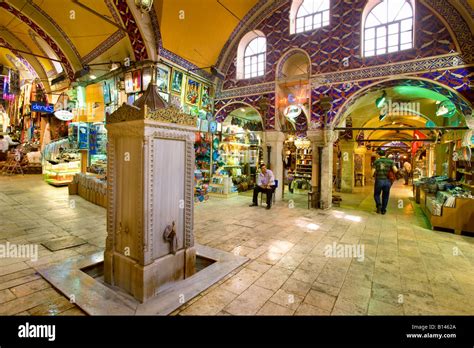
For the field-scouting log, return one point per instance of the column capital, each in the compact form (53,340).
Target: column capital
(274,136)
(321,137)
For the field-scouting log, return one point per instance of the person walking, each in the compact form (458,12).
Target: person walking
(380,171)
(407,171)
(265,184)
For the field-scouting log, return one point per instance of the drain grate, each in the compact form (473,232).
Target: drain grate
(63,243)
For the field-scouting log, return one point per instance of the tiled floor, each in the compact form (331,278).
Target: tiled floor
(406,269)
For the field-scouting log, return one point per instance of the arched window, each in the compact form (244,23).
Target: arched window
(310,15)
(254,58)
(388,26)
(251,55)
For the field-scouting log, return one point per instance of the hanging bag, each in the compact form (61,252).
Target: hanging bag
(391,176)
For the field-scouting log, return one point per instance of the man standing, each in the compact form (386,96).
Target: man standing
(3,148)
(380,170)
(265,184)
(407,171)
(11,143)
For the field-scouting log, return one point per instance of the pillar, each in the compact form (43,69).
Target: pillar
(347,179)
(322,143)
(362,150)
(275,139)
(326,176)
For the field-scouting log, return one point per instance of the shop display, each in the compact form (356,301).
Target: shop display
(97,148)
(61,162)
(91,187)
(202,174)
(221,185)
(241,152)
(79,135)
(446,203)
(304,164)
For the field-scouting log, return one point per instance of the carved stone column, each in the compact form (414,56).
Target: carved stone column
(322,142)
(150,199)
(275,140)
(347,163)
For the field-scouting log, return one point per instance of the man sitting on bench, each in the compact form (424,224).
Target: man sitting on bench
(265,184)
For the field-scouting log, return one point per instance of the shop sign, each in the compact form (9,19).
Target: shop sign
(42,107)
(64,115)
(292,111)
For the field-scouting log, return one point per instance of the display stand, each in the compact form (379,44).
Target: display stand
(303,173)
(459,218)
(222,186)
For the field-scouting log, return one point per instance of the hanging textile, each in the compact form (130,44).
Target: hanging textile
(46,136)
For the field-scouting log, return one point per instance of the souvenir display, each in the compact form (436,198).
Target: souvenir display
(177,81)
(192,92)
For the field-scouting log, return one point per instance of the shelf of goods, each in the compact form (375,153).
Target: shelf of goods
(302,176)
(61,174)
(91,187)
(465,173)
(458,217)
(202,174)
(222,186)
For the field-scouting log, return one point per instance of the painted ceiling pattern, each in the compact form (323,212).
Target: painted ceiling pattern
(136,39)
(328,46)
(37,29)
(58,28)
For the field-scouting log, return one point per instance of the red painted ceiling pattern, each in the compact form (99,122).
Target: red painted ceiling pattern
(138,44)
(59,53)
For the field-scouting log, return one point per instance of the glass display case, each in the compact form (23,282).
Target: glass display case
(79,135)
(61,174)
(97,148)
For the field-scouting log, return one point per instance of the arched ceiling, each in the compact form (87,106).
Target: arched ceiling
(365,114)
(65,31)
(201,34)
(197,30)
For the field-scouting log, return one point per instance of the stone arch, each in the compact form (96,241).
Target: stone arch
(225,111)
(288,54)
(464,105)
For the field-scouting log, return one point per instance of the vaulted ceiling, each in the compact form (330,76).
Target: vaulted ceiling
(197,30)
(46,38)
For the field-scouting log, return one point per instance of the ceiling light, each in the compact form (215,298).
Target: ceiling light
(92,77)
(114,66)
(242,109)
(144,5)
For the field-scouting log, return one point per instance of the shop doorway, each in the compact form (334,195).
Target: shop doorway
(239,149)
(293,115)
(424,131)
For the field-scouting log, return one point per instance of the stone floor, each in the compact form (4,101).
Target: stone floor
(407,268)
